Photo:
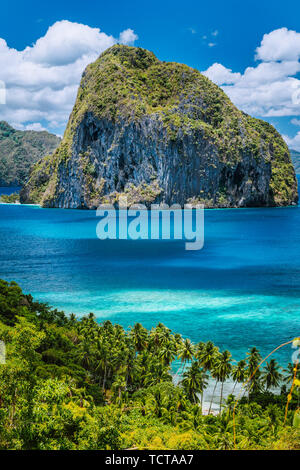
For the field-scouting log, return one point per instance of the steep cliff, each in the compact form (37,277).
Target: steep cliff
(160,132)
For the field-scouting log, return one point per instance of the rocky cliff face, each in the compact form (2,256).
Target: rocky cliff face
(160,132)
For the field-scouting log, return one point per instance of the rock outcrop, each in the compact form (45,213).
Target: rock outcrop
(160,132)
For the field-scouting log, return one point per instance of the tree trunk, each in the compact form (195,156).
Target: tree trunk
(235,384)
(212,397)
(104,379)
(221,396)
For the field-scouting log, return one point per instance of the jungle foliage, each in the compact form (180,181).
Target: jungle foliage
(68,383)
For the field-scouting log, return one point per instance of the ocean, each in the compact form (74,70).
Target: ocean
(242,289)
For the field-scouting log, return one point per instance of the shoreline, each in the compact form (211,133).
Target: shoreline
(83,209)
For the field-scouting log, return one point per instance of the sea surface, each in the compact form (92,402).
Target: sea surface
(9,189)
(242,289)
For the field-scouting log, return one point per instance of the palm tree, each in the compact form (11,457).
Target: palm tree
(290,373)
(223,369)
(223,437)
(186,352)
(102,358)
(157,373)
(72,320)
(206,354)
(271,376)
(214,370)
(118,386)
(239,374)
(178,340)
(139,336)
(196,416)
(253,359)
(159,403)
(194,382)
(199,349)
(168,353)
(158,336)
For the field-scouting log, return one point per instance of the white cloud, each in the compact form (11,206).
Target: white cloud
(66,42)
(128,37)
(271,88)
(296,122)
(42,80)
(34,126)
(294,142)
(208,41)
(281,44)
(221,75)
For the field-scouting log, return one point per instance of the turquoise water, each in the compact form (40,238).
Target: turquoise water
(242,289)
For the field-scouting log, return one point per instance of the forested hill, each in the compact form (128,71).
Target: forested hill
(19,150)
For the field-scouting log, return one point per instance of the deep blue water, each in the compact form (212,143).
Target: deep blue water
(9,190)
(241,289)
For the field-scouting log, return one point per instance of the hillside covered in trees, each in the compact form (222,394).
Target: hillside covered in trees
(19,150)
(77,384)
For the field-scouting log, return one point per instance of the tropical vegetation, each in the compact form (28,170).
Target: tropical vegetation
(19,150)
(68,383)
(13,198)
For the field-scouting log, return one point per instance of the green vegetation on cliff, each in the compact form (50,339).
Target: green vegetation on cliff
(76,384)
(127,91)
(19,150)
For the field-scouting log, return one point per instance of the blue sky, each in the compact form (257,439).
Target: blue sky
(41,81)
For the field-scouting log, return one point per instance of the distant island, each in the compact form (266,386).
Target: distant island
(157,131)
(296,160)
(13,198)
(19,150)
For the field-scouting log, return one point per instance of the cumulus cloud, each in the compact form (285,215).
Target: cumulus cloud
(66,42)
(281,44)
(294,142)
(221,75)
(42,80)
(271,88)
(128,37)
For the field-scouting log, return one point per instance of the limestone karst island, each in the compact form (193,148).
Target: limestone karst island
(160,132)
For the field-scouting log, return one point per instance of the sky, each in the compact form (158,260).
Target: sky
(251,49)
